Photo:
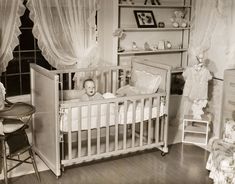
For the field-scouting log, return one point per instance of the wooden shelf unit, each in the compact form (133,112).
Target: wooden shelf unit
(195,130)
(152,6)
(177,36)
(133,52)
(154,29)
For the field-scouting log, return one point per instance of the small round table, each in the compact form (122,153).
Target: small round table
(15,118)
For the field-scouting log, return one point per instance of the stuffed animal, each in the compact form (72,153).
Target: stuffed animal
(178,19)
(153,2)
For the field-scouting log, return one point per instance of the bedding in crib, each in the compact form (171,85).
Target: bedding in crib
(99,116)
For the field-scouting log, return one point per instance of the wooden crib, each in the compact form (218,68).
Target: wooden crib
(72,132)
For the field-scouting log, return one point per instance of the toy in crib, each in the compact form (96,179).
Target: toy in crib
(90,91)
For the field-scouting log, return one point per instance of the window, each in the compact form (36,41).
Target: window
(16,79)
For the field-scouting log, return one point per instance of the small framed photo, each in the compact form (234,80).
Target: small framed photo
(145,19)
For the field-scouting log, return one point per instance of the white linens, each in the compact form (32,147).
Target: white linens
(105,116)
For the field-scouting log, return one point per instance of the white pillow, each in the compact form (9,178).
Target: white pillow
(127,91)
(146,82)
(108,95)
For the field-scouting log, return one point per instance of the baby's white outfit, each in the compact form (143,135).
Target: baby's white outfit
(196,88)
(196,82)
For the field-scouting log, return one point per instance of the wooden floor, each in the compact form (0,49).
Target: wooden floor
(185,164)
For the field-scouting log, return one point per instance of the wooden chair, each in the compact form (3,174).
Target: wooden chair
(15,118)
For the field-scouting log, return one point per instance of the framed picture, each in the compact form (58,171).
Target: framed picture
(145,18)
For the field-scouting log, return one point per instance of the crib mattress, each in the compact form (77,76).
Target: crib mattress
(81,118)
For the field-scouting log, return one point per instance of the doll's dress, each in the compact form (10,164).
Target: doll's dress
(196,88)
(196,82)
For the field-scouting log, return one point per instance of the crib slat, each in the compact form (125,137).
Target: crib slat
(141,121)
(107,126)
(109,82)
(116,126)
(124,126)
(70,81)
(79,131)
(61,81)
(124,77)
(98,127)
(150,120)
(96,80)
(133,123)
(157,121)
(114,81)
(103,81)
(162,123)
(89,130)
(117,79)
(70,133)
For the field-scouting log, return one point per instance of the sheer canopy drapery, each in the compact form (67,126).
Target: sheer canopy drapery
(204,20)
(209,16)
(10,12)
(65,29)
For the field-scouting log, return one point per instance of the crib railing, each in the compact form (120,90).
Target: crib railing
(107,79)
(118,137)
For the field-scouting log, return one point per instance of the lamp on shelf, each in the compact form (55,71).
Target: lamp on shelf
(121,35)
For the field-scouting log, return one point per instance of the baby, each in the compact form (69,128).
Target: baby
(90,91)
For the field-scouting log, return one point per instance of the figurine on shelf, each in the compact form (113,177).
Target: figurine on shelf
(121,35)
(153,2)
(168,45)
(147,47)
(161,24)
(161,45)
(178,19)
(134,46)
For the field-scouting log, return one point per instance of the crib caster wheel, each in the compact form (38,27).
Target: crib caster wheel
(163,154)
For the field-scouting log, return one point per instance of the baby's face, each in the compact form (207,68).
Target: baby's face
(90,88)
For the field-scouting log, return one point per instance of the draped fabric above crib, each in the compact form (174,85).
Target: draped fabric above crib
(212,33)
(65,29)
(10,12)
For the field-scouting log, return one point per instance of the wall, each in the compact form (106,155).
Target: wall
(221,56)
(105,27)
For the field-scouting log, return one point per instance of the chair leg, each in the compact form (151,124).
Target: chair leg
(34,164)
(4,161)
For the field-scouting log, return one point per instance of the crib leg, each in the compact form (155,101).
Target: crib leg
(62,168)
(163,154)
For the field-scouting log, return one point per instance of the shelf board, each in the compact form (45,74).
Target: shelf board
(152,6)
(204,119)
(131,52)
(155,29)
(177,70)
(198,129)
(195,139)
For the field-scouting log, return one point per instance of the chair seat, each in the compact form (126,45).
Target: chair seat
(11,125)
(221,162)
